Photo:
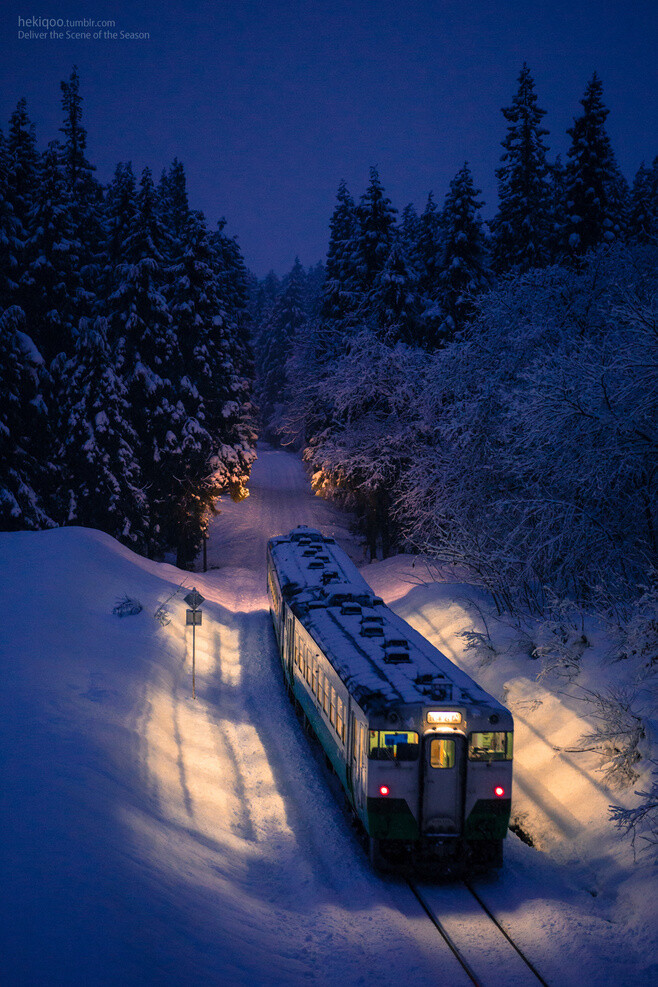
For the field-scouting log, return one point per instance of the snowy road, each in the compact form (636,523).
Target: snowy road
(151,839)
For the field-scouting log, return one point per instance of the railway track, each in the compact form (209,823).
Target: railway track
(483,948)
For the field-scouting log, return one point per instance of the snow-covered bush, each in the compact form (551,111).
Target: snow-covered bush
(561,640)
(539,473)
(618,732)
(372,400)
(640,822)
(640,632)
(126,606)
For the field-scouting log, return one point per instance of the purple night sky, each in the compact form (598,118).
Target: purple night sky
(269,104)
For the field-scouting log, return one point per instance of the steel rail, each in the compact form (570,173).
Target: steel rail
(442,932)
(498,925)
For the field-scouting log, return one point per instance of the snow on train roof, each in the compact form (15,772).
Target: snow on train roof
(381,657)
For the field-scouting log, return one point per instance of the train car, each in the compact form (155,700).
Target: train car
(423,753)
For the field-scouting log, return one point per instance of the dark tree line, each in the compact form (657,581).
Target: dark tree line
(329,365)
(125,362)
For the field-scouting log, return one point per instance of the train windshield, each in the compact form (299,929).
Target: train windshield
(494,746)
(393,745)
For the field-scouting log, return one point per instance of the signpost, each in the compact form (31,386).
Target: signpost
(194,616)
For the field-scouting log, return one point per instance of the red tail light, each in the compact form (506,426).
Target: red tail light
(499,791)
(384,790)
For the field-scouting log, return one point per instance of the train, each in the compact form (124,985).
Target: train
(423,753)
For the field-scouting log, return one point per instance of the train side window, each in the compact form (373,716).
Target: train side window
(495,745)
(340,718)
(332,706)
(325,698)
(442,752)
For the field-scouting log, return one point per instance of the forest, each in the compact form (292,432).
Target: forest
(480,393)
(485,394)
(125,361)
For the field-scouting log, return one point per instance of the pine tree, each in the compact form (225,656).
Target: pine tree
(8,270)
(148,355)
(233,280)
(595,193)
(430,247)
(7,232)
(463,272)
(557,209)
(216,436)
(274,346)
(173,200)
(643,218)
(21,185)
(263,294)
(410,232)
(521,226)
(101,482)
(85,193)
(314,294)
(120,210)
(341,292)
(393,299)
(375,232)
(23,471)
(51,285)
(430,253)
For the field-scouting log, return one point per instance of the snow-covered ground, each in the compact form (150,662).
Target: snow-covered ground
(152,839)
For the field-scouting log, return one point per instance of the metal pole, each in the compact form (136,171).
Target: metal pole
(193,654)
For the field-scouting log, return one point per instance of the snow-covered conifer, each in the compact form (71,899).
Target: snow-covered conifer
(392,302)
(274,346)
(23,421)
(375,231)
(8,269)
(233,282)
(596,199)
(85,193)
(216,434)
(521,223)
(173,200)
(463,271)
(51,282)
(557,209)
(120,208)
(643,215)
(341,293)
(409,231)
(148,353)
(430,253)
(21,164)
(101,484)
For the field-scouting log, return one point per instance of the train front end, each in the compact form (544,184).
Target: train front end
(440,786)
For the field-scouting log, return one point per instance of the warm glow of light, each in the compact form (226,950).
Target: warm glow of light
(499,791)
(444,716)
(384,790)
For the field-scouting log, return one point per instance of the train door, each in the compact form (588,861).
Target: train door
(443,784)
(358,763)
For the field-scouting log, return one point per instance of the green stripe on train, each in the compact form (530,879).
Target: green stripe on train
(488,820)
(391,819)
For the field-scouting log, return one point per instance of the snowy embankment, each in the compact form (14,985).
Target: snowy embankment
(149,838)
